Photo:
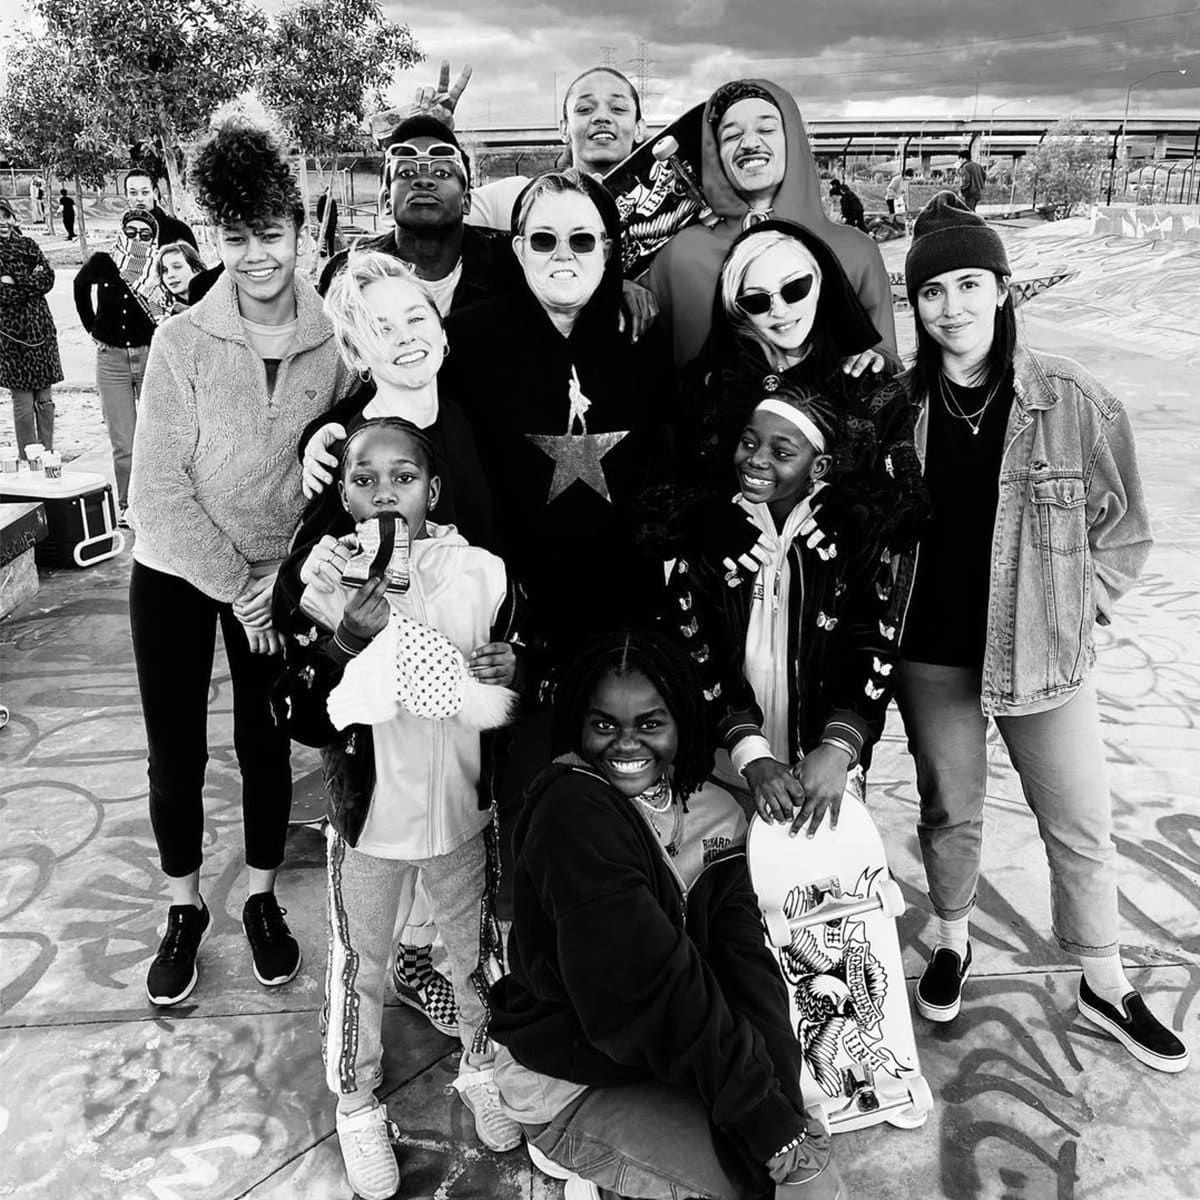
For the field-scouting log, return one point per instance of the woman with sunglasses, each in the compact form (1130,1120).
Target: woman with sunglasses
(1039,527)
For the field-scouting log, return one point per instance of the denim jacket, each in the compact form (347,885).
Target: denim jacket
(1071,537)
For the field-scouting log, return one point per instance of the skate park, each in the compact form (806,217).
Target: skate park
(224,1096)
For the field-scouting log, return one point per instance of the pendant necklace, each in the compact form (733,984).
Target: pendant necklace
(954,408)
(657,801)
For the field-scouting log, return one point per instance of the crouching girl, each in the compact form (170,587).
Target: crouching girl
(379,678)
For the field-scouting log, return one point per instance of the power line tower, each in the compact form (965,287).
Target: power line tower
(642,65)
(608,56)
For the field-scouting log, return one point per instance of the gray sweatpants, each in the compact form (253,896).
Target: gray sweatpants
(368,898)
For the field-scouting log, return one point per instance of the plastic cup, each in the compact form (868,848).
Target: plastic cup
(8,460)
(33,454)
(52,464)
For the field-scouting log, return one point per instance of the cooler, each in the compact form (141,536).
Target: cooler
(81,518)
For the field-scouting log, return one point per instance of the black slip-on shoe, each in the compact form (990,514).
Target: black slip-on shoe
(1136,1028)
(939,990)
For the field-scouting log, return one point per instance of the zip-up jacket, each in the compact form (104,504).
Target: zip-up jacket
(836,629)
(463,592)
(618,976)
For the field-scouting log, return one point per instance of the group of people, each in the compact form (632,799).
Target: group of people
(570,575)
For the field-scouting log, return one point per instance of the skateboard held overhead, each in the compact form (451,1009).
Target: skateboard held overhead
(829,907)
(657,190)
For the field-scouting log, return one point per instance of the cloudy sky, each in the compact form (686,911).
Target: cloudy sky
(840,57)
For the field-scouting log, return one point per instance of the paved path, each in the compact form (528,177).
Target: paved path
(105,1097)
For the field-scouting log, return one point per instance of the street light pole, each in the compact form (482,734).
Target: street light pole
(1125,121)
(992,121)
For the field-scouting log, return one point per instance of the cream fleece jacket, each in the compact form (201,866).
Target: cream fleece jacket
(215,486)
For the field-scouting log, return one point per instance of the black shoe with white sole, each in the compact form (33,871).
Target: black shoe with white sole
(1136,1028)
(173,973)
(275,952)
(939,990)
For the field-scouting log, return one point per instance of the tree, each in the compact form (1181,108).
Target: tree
(48,124)
(324,63)
(1065,169)
(153,71)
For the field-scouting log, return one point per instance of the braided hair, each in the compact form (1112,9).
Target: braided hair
(417,434)
(241,175)
(672,674)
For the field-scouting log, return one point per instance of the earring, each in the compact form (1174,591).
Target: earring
(364,373)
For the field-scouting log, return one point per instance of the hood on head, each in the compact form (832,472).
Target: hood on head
(840,313)
(799,195)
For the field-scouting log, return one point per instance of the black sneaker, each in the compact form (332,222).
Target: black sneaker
(420,985)
(1136,1028)
(173,973)
(275,952)
(939,991)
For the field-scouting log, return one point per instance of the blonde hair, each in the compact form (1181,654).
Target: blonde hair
(742,257)
(353,322)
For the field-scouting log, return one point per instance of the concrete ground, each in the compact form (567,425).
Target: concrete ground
(104,1096)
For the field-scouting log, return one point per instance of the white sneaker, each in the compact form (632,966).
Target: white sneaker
(366,1138)
(546,1165)
(479,1093)
(578,1188)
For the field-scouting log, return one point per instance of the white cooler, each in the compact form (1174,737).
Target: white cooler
(81,516)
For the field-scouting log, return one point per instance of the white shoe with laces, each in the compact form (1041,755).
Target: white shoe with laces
(495,1129)
(366,1138)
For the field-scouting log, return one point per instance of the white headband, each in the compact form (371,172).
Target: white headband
(797,418)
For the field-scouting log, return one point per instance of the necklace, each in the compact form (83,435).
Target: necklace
(954,408)
(657,798)
(654,810)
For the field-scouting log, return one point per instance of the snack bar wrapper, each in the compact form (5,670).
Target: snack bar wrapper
(382,551)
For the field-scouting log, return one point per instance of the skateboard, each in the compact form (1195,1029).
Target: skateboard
(658,193)
(829,907)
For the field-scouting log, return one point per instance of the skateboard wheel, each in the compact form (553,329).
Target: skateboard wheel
(779,929)
(891,898)
(920,1105)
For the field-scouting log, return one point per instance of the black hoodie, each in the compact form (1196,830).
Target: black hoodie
(684,275)
(565,500)
(616,976)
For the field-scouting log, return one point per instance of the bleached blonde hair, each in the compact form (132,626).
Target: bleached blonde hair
(354,326)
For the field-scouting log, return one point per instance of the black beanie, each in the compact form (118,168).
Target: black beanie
(948,236)
(728,94)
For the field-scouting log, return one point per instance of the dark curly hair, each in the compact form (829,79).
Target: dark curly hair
(673,676)
(241,175)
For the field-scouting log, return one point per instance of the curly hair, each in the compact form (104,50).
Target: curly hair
(241,175)
(672,674)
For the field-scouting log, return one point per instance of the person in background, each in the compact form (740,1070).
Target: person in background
(66,206)
(215,499)
(120,302)
(852,206)
(897,194)
(178,264)
(1039,526)
(329,242)
(971,180)
(29,361)
(142,193)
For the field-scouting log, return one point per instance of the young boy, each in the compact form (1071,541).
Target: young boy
(793,653)
(403,789)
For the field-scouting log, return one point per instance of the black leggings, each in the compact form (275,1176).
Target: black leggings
(174,637)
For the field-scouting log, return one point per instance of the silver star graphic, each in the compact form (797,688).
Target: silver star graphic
(577,456)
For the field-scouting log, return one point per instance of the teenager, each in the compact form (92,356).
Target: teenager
(141,190)
(215,498)
(1039,527)
(178,264)
(648,1049)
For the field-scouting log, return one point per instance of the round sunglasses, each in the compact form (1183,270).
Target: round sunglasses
(542,241)
(758,304)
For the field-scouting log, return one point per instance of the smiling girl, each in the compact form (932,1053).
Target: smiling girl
(1039,526)
(647,1049)
(215,496)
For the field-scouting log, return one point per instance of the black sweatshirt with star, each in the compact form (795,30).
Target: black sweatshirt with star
(566,498)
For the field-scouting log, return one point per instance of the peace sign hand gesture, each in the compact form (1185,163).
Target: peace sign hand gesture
(440,101)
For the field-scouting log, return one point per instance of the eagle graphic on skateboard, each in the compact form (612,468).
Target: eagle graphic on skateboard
(658,193)
(829,908)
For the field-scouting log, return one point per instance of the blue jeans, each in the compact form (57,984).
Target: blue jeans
(655,1142)
(33,417)
(1059,757)
(119,372)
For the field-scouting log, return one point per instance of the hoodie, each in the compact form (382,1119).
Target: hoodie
(683,277)
(569,430)
(618,974)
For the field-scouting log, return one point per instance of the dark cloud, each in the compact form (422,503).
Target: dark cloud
(1065,55)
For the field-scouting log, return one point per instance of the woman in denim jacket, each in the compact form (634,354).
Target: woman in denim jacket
(1039,525)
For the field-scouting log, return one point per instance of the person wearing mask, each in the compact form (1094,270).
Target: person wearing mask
(29,361)
(120,302)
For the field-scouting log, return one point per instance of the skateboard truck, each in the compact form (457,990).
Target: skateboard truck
(886,897)
(666,150)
